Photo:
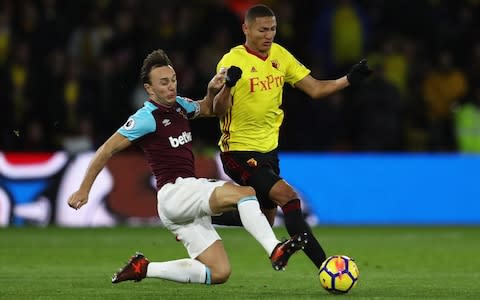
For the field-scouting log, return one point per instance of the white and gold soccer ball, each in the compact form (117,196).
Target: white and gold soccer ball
(338,274)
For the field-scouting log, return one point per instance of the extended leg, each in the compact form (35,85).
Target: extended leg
(287,198)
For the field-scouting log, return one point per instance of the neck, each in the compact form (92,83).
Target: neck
(262,55)
(161,103)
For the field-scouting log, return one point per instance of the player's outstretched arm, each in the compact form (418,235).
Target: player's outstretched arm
(114,144)
(321,88)
(317,89)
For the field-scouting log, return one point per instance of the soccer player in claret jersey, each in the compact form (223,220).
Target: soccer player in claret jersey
(185,203)
(250,118)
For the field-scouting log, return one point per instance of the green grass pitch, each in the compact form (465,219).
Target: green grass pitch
(394,263)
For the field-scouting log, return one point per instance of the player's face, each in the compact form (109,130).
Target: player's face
(163,86)
(260,34)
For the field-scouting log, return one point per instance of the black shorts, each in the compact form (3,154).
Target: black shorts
(258,170)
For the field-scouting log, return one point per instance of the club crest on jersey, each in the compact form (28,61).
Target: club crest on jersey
(129,124)
(275,64)
(180,111)
(252,162)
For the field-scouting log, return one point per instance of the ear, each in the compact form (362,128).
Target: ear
(245,28)
(148,89)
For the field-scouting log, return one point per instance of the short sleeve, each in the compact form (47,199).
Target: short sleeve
(296,71)
(138,125)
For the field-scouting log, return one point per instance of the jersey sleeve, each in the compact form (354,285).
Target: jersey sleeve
(138,125)
(192,107)
(296,71)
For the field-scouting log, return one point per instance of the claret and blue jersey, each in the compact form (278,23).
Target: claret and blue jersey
(164,135)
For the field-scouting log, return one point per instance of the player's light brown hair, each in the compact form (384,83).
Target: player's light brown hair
(258,11)
(157,58)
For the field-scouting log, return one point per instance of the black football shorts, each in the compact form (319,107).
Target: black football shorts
(258,170)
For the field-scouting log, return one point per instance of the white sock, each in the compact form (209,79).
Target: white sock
(255,222)
(185,270)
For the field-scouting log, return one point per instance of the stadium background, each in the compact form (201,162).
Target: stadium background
(69,77)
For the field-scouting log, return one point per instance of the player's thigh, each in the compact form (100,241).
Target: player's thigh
(226,197)
(196,236)
(187,199)
(263,180)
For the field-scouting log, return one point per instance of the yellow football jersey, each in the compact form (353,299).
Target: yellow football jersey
(253,122)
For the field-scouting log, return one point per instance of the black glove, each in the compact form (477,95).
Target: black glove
(233,75)
(358,72)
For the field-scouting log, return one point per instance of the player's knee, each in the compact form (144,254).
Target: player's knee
(282,194)
(221,273)
(285,198)
(244,192)
(290,195)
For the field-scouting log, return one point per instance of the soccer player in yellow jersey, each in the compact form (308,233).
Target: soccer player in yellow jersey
(250,117)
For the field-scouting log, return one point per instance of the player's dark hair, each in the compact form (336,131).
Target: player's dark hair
(258,11)
(157,58)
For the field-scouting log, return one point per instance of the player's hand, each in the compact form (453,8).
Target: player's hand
(217,81)
(77,200)
(233,75)
(359,72)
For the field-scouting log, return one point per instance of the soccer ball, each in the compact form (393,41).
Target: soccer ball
(338,274)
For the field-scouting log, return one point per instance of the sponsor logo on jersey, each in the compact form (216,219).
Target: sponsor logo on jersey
(265,84)
(175,142)
(253,70)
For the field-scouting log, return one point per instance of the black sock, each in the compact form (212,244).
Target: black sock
(295,223)
(229,218)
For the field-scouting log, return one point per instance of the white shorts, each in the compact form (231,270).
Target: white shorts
(184,209)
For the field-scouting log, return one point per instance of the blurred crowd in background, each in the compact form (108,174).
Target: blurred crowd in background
(69,70)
